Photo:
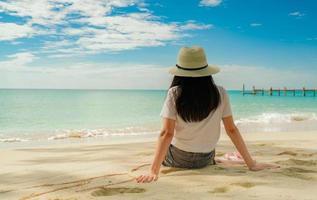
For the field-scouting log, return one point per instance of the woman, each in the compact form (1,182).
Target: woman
(192,113)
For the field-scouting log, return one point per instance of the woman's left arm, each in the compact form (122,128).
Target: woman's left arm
(236,138)
(164,141)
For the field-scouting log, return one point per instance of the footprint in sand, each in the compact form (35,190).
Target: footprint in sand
(296,172)
(115,191)
(145,154)
(4,191)
(225,189)
(307,154)
(220,190)
(227,167)
(290,153)
(292,161)
(261,144)
(247,184)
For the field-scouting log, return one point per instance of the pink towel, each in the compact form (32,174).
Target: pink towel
(234,156)
(231,158)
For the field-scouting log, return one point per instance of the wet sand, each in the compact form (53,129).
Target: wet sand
(97,171)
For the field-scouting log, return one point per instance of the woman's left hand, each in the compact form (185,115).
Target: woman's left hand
(147,178)
(262,166)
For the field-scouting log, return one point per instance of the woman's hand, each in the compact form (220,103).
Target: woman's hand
(261,166)
(147,178)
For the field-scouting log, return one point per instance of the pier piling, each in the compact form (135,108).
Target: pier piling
(271,91)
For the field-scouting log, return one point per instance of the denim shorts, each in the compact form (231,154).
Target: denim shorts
(176,157)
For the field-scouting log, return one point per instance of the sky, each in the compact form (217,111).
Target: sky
(129,44)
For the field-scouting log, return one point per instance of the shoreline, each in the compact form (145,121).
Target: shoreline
(269,123)
(80,170)
(151,137)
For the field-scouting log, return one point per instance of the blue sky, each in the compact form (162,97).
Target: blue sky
(130,43)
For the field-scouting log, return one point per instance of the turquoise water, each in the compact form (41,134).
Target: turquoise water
(49,113)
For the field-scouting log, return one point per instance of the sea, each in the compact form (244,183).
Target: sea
(53,115)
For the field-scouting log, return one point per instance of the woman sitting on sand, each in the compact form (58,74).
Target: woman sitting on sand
(192,113)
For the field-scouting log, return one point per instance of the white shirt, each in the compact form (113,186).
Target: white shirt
(196,136)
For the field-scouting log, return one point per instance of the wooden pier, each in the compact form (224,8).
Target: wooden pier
(277,91)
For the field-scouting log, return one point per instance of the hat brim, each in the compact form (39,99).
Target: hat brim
(211,69)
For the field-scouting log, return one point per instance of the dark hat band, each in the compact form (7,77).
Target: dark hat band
(191,69)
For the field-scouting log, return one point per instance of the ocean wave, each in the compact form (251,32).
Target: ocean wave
(266,121)
(88,133)
(269,118)
(12,140)
(84,133)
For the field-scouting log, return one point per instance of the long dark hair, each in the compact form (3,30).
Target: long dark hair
(195,97)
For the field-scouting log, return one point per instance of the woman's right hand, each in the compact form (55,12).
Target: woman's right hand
(147,178)
(262,166)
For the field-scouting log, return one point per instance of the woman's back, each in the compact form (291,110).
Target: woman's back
(200,136)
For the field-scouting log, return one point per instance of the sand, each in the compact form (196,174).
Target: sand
(99,171)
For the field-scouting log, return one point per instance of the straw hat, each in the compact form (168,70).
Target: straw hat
(192,62)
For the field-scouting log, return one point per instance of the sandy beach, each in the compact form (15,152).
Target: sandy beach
(99,171)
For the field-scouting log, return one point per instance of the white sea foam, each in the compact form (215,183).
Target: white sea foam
(12,140)
(271,121)
(80,133)
(269,118)
(87,133)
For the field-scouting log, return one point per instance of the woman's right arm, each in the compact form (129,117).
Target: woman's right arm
(237,140)
(164,140)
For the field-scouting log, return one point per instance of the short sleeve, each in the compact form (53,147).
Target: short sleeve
(169,107)
(226,104)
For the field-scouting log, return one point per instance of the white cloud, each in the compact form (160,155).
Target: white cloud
(126,32)
(255,24)
(17,61)
(296,14)
(233,76)
(40,12)
(122,32)
(192,25)
(210,3)
(91,26)
(56,45)
(19,71)
(12,31)
(22,58)
(51,12)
